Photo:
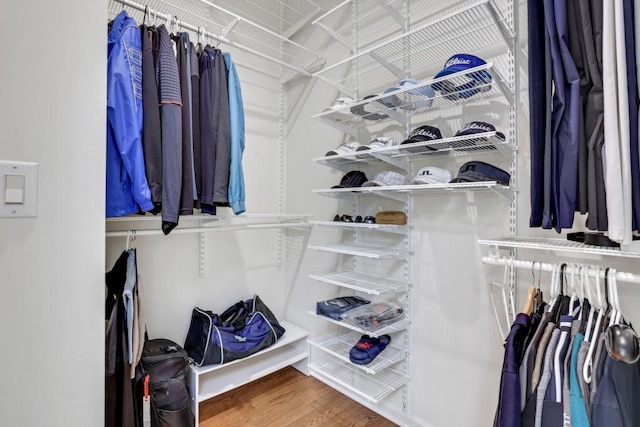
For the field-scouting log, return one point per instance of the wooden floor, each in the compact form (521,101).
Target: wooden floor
(286,398)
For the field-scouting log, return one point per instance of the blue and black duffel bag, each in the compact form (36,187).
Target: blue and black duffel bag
(240,331)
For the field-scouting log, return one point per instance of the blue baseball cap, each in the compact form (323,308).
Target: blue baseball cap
(472,83)
(475,171)
(426,92)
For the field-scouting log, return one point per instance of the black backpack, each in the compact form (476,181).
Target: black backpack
(167,365)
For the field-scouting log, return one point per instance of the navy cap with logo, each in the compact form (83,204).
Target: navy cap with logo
(420,134)
(475,171)
(352,179)
(469,84)
(479,127)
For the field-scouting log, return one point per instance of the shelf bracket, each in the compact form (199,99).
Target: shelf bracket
(400,163)
(392,68)
(393,13)
(342,128)
(394,114)
(505,32)
(336,36)
(202,258)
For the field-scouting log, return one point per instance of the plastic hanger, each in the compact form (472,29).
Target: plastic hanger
(587,368)
(589,330)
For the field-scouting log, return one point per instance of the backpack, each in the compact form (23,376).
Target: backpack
(240,331)
(167,365)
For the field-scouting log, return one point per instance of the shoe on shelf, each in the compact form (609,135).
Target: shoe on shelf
(367,348)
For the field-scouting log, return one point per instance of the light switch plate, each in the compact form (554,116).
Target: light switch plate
(29,196)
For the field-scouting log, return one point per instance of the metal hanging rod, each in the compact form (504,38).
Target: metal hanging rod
(157,232)
(548,267)
(223,39)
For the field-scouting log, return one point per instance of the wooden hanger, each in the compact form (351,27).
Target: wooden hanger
(531,297)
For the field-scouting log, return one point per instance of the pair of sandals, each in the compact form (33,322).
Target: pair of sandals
(368,348)
(358,219)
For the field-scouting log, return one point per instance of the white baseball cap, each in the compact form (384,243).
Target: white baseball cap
(386,178)
(432,175)
(379,142)
(344,148)
(340,104)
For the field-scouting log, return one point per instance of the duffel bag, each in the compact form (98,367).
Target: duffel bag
(240,331)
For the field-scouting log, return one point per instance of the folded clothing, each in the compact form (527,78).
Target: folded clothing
(367,348)
(335,307)
(373,316)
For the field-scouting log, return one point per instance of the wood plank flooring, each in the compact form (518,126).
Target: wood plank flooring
(286,398)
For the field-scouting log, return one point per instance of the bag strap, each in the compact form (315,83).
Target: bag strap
(235,316)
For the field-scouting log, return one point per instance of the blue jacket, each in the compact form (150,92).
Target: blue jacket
(236,113)
(127,188)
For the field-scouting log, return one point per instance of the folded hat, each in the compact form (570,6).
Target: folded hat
(475,171)
(344,148)
(432,175)
(367,110)
(422,133)
(352,179)
(426,94)
(468,84)
(339,104)
(391,217)
(479,127)
(386,178)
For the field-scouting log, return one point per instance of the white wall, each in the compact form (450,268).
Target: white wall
(51,267)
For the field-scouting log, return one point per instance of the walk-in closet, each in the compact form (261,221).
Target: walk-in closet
(403,190)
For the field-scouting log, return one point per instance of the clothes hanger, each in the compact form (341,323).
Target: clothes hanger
(587,368)
(592,311)
(529,304)
(146,14)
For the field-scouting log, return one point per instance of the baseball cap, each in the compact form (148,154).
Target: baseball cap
(475,82)
(479,127)
(432,175)
(426,92)
(352,179)
(385,178)
(422,133)
(366,111)
(344,148)
(475,171)
(379,142)
(339,104)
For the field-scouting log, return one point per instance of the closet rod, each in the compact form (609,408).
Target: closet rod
(547,267)
(206,229)
(222,39)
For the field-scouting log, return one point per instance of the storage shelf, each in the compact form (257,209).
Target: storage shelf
(340,347)
(559,245)
(363,251)
(363,282)
(400,325)
(348,193)
(372,387)
(471,28)
(398,155)
(400,105)
(150,224)
(206,382)
(352,226)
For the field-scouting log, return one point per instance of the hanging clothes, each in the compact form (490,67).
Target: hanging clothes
(195,112)
(187,182)
(222,129)
(151,131)
(207,130)
(236,110)
(127,190)
(171,119)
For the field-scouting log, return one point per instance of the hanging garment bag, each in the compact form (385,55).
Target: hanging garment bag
(240,331)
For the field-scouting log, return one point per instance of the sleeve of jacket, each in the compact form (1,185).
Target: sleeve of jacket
(124,108)
(236,113)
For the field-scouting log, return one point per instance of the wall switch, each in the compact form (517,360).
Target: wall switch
(14,189)
(19,189)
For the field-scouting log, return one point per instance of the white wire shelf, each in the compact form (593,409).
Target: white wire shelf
(150,224)
(398,155)
(363,282)
(352,226)
(558,245)
(471,28)
(363,251)
(402,104)
(215,24)
(372,387)
(400,325)
(340,346)
(348,193)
